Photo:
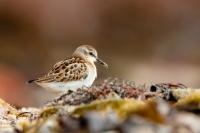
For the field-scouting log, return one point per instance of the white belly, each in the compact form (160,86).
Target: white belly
(72,85)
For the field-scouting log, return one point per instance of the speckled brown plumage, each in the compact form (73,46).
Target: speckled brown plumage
(71,69)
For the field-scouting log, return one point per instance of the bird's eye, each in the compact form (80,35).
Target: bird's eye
(91,53)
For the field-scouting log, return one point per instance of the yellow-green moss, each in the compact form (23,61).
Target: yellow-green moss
(123,107)
(192,99)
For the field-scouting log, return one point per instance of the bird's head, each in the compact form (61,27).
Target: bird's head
(89,53)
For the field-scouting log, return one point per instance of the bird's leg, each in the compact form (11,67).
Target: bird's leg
(64,95)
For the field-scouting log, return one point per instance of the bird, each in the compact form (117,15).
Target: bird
(77,71)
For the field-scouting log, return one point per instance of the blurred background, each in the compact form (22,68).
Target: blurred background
(144,41)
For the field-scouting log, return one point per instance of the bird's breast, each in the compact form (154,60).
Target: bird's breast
(92,74)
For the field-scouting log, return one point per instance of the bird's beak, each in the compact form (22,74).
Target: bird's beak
(102,62)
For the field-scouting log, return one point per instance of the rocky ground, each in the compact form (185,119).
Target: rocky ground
(114,106)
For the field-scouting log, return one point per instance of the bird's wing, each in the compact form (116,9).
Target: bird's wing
(71,69)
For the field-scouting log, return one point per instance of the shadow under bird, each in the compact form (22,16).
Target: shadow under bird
(75,72)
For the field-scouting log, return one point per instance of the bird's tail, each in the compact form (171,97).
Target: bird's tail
(31,81)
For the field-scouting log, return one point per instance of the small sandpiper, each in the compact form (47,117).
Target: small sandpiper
(75,72)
